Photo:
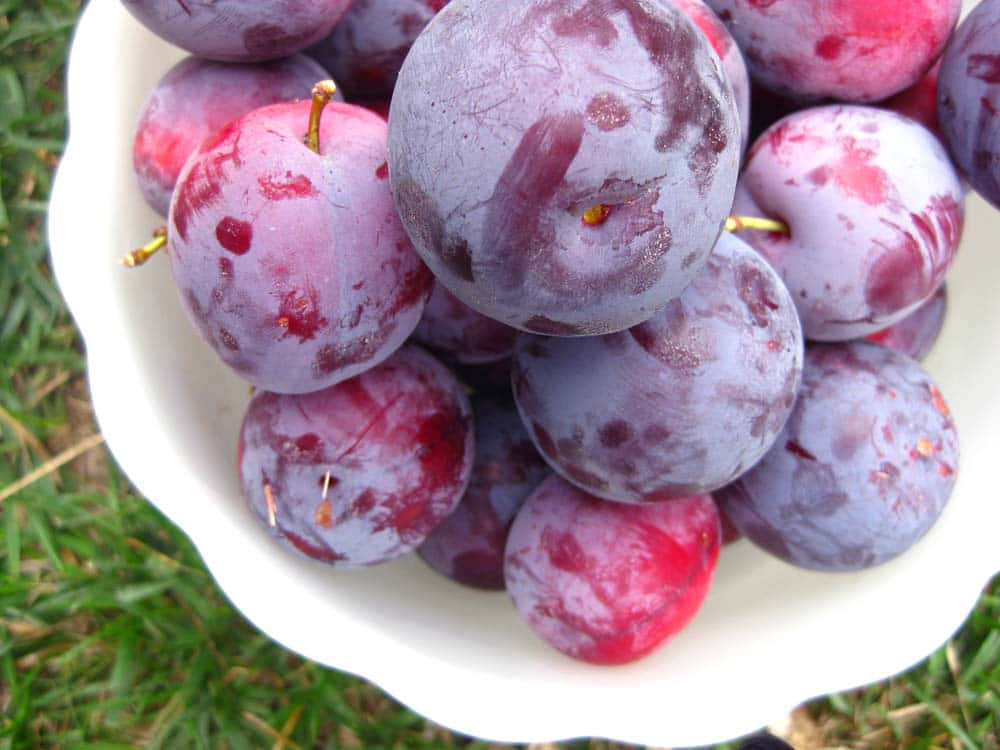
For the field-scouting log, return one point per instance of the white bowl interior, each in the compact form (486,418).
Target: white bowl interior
(768,636)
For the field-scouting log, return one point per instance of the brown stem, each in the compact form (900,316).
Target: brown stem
(321,94)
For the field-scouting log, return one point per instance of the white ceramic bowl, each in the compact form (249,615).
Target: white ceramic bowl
(768,637)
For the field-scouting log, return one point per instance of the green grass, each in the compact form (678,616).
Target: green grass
(113,635)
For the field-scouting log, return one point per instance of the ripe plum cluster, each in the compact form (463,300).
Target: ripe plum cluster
(537,326)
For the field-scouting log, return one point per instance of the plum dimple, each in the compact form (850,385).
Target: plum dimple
(361,472)
(862,469)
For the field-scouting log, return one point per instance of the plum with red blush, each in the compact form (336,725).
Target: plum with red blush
(608,582)
(196,98)
(361,472)
(272,263)
(874,210)
(849,50)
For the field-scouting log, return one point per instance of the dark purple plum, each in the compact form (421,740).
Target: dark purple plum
(850,50)
(195,99)
(294,265)
(605,582)
(367,46)
(862,469)
(678,405)
(361,472)
(239,30)
(969,99)
(452,327)
(468,546)
(563,166)
(915,334)
(875,212)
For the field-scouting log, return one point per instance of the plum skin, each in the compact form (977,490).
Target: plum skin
(493,168)
(238,30)
(270,260)
(863,468)
(395,441)
(849,50)
(968,99)
(875,212)
(680,404)
(605,582)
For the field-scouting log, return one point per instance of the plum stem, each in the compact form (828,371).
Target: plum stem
(736,223)
(596,215)
(322,92)
(272,506)
(141,254)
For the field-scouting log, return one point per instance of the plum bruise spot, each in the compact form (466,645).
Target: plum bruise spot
(263,38)
(655,434)
(526,185)
(896,278)
(440,444)
(857,177)
(590,23)
(308,446)
(819,176)
(564,551)
(225,268)
(829,47)
(228,340)
(382,171)
(615,433)
(984,67)
(299,315)
(234,235)
(292,186)
(757,293)
(608,112)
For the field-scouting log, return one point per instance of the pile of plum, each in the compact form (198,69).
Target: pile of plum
(536,305)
